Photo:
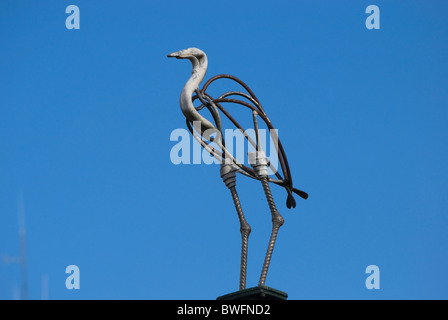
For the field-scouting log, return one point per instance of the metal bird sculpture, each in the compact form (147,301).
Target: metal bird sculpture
(205,133)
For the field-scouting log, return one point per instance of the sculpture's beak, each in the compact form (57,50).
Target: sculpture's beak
(173,55)
(177,55)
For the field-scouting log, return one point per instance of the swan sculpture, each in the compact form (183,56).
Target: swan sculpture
(206,132)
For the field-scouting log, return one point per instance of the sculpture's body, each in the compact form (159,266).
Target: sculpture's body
(201,128)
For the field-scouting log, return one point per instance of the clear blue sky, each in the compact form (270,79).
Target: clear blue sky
(85,121)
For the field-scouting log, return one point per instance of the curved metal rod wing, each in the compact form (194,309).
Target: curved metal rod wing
(213,105)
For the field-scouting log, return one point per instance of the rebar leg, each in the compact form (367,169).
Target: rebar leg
(277,222)
(229,177)
(259,162)
(245,231)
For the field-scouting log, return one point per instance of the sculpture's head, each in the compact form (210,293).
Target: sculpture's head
(187,54)
(197,57)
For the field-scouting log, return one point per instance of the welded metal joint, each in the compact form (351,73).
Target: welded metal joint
(259,163)
(228,174)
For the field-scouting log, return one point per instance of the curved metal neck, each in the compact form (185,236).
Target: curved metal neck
(186,103)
